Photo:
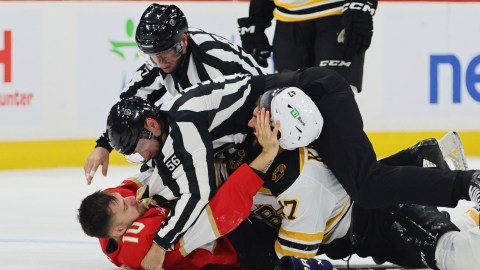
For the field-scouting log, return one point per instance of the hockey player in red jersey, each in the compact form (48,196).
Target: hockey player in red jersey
(130,248)
(126,227)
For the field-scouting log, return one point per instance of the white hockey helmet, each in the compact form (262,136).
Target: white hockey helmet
(300,120)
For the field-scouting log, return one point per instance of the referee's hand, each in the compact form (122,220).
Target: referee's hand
(99,156)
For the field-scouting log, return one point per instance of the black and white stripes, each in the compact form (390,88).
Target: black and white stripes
(203,120)
(474,189)
(208,57)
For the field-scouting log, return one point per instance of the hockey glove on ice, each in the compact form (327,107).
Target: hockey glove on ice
(293,263)
(357,24)
(254,39)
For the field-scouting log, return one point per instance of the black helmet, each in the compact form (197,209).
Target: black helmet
(125,123)
(160,28)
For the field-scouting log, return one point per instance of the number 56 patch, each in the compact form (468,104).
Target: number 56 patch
(172,163)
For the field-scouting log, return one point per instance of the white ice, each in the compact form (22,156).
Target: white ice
(38,226)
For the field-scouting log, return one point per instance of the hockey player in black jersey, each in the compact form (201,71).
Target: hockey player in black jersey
(308,33)
(176,57)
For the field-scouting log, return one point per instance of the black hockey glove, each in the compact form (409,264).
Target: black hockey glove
(254,39)
(357,24)
(293,263)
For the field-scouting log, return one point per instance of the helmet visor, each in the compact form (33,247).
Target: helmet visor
(170,55)
(144,134)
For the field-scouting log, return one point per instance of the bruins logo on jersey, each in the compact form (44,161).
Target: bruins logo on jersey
(278,173)
(236,159)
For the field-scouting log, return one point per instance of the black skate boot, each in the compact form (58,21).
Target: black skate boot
(428,154)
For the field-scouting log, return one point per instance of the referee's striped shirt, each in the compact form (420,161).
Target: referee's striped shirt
(209,56)
(203,121)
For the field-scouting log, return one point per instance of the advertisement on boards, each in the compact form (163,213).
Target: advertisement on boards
(107,59)
(20,69)
(107,54)
(431,56)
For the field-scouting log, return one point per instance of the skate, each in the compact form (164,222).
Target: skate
(378,261)
(428,154)
(452,150)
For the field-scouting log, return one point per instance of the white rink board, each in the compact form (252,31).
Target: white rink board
(399,73)
(62,54)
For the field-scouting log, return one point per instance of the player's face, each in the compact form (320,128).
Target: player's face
(147,148)
(125,210)
(167,60)
(253,121)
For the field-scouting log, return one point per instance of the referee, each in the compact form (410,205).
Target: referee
(176,57)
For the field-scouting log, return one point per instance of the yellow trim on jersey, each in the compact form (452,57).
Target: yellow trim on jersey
(305,4)
(212,221)
(302,152)
(265,190)
(312,238)
(473,215)
(333,220)
(182,248)
(283,17)
(285,251)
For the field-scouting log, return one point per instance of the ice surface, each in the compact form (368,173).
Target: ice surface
(38,226)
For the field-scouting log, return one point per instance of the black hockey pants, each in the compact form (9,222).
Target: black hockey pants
(313,43)
(347,151)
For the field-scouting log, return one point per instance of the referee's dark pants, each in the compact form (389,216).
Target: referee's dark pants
(347,151)
(313,43)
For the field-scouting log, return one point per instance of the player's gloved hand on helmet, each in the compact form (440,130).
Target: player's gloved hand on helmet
(357,25)
(294,263)
(254,39)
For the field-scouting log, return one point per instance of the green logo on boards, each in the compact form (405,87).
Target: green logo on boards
(294,113)
(119,46)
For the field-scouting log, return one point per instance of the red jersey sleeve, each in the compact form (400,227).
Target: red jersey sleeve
(233,201)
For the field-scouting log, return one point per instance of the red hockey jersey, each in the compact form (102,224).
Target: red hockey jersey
(198,247)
